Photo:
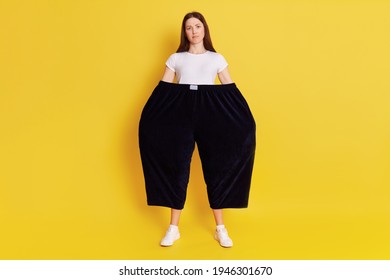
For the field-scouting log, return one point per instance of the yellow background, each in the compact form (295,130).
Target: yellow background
(75,75)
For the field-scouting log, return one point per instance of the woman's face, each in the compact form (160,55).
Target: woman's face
(194,30)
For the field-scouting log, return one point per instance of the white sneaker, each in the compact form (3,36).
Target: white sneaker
(221,235)
(170,237)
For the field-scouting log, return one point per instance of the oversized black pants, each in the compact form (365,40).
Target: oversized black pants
(218,119)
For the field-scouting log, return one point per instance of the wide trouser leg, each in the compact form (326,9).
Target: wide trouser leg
(166,144)
(225,135)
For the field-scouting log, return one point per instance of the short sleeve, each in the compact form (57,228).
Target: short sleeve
(222,63)
(171,62)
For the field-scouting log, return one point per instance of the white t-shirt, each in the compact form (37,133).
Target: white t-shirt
(199,69)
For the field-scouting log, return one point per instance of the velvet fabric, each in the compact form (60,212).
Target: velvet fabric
(215,117)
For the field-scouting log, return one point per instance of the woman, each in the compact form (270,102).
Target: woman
(216,117)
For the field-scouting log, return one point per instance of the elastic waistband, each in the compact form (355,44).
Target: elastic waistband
(199,88)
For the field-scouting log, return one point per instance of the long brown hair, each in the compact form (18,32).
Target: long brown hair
(184,43)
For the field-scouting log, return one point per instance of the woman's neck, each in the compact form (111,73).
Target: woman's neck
(197,49)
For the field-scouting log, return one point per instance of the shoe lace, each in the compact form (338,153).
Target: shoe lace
(223,235)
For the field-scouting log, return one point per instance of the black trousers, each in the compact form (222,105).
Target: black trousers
(215,117)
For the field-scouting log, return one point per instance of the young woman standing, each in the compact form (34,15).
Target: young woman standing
(196,110)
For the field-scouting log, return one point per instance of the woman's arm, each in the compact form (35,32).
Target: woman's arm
(168,76)
(224,77)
